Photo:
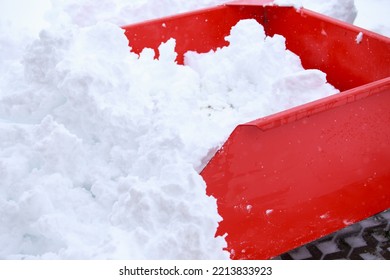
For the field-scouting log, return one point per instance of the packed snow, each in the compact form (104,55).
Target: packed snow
(100,149)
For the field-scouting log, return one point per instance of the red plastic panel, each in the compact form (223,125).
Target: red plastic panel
(292,177)
(321,42)
(289,179)
(330,45)
(200,31)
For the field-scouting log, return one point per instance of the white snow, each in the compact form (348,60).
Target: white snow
(344,10)
(289,3)
(371,15)
(374,15)
(359,38)
(100,150)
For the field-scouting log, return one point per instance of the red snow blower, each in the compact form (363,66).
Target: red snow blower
(293,177)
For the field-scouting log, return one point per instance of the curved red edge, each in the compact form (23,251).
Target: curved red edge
(281,184)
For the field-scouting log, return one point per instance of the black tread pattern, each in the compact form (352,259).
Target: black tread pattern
(369,239)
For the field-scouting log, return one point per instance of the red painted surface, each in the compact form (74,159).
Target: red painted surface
(293,177)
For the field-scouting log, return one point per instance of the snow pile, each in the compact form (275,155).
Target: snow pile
(24,16)
(22,20)
(344,10)
(254,64)
(373,15)
(100,149)
(87,12)
(91,166)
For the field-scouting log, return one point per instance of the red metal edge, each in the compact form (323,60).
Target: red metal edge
(302,111)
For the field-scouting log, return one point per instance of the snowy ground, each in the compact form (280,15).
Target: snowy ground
(100,149)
